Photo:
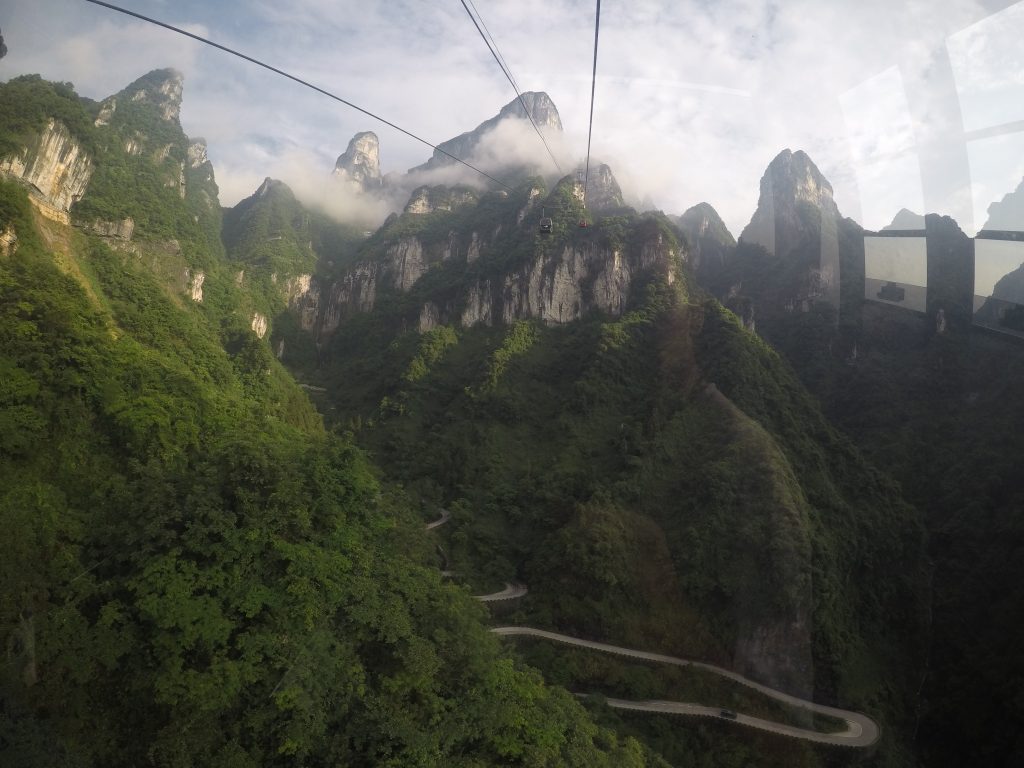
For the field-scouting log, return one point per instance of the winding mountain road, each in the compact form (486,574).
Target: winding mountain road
(444,518)
(510,592)
(861,731)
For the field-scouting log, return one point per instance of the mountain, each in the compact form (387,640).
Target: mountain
(710,241)
(603,191)
(541,109)
(360,162)
(198,572)
(207,573)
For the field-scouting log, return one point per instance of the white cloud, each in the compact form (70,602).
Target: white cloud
(694,98)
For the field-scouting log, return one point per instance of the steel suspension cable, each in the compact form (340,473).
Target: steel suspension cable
(593,86)
(298,80)
(508,76)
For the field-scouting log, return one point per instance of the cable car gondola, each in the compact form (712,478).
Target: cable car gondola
(545,225)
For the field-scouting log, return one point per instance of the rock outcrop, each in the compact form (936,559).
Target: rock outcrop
(540,107)
(8,241)
(360,163)
(709,239)
(56,169)
(429,199)
(603,191)
(162,88)
(554,286)
(115,230)
(797,220)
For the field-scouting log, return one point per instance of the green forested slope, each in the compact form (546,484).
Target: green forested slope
(194,572)
(592,462)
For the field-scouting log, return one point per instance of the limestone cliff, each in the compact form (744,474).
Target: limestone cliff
(556,283)
(603,191)
(540,107)
(360,162)
(708,238)
(797,222)
(161,88)
(56,169)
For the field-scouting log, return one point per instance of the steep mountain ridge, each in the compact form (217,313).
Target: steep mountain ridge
(201,575)
(540,107)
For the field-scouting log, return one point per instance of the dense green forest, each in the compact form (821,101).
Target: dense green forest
(660,480)
(196,572)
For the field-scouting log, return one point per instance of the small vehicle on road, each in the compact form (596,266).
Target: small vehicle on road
(728,714)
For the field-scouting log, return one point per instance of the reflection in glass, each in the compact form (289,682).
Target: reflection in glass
(896,271)
(999,285)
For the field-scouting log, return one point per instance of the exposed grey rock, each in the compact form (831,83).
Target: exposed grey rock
(195,285)
(429,317)
(360,163)
(197,156)
(709,239)
(107,109)
(117,230)
(162,88)
(796,212)
(428,199)
(8,241)
(540,106)
(57,171)
(479,306)
(405,262)
(603,190)
(259,324)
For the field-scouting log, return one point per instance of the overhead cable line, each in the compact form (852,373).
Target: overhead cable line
(494,42)
(298,80)
(593,86)
(508,75)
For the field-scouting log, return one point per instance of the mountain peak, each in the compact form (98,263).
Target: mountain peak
(795,172)
(603,191)
(360,162)
(540,106)
(162,88)
(703,221)
(790,183)
(272,187)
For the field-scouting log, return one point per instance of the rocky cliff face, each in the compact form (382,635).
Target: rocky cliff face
(798,222)
(709,239)
(360,163)
(603,191)
(430,199)
(56,169)
(162,88)
(556,285)
(540,107)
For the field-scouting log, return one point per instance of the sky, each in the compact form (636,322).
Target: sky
(916,104)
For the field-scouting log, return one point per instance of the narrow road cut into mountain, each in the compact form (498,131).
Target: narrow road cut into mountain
(861,731)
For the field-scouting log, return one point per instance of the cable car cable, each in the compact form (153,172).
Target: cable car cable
(298,80)
(512,83)
(504,63)
(593,86)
